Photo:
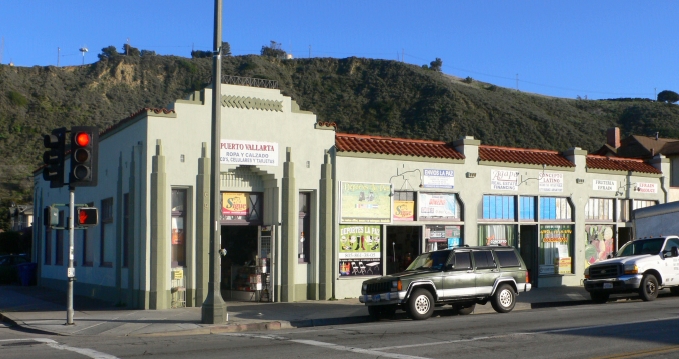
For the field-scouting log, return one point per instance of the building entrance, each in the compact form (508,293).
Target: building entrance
(403,245)
(528,240)
(240,243)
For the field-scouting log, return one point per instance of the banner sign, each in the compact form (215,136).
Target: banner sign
(550,182)
(404,210)
(237,152)
(605,185)
(433,178)
(360,250)
(440,205)
(504,180)
(365,202)
(646,187)
(234,204)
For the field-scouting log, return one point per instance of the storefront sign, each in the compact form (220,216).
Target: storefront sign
(404,210)
(365,202)
(441,205)
(433,178)
(550,182)
(504,180)
(237,152)
(646,187)
(605,185)
(360,250)
(234,204)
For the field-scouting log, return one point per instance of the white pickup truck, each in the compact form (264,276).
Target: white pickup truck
(644,265)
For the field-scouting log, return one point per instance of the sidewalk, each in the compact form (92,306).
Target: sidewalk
(44,310)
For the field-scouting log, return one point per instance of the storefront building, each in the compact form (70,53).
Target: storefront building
(308,213)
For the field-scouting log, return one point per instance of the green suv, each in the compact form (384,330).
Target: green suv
(461,277)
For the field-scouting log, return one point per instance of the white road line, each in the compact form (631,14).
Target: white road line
(518,334)
(84,351)
(261,336)
(356,350)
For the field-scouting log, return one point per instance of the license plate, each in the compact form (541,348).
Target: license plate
(608,285)
(376,298)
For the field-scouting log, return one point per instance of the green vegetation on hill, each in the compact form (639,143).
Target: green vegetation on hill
(366,96)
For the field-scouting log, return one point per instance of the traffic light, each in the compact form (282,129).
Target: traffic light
(51,216)
(84,156)
(54,157)
(86,216)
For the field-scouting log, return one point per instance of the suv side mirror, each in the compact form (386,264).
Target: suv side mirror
(674,251)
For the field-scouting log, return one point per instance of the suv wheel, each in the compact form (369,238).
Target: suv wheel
(599,298)
(503,300)
(649,288)
(464,309)
(421,304)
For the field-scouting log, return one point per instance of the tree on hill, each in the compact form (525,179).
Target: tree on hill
(131,51)
(668,96)
(273,50)
(436,65)
(108,52)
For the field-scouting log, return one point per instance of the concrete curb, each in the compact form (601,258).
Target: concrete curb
(25,327)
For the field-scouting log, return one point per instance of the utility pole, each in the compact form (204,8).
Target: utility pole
(127,49)
(58,55)
(214,307)
(517,82)
(309,51)
(655,93)
(403,53)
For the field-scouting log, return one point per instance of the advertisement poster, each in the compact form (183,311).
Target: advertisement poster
(605,185)
(646,187)
(404,210)
(433,178)
(365,202)
(234,204)
(237,152)
(504,180)
(441,205)
(550,182)
(600,243)
(555,244)
(360,250)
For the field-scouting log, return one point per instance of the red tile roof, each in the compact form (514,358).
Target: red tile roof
(620,164)
(524,156)
(395,146)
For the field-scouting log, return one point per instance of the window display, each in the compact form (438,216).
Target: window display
(556,241)
(497,235)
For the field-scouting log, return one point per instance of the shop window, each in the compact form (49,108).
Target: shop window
(439,206)
(498,207)
(404,206)
(555,209)
(241,208)
(442,237)
(497,235)
(624,211)
(48,245)
(105,256)
(60,241)
(126,228)
(600,243)
(636,204)
(527,208)
(599,209)
(88,245)
(304,226)
(555,249)
(178,241)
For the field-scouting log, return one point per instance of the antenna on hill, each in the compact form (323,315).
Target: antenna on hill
(2,48)
(127,48)
(83,50)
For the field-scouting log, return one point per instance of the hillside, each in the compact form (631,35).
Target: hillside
(379,97)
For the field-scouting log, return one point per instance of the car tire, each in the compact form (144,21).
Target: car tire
(464,309)
(421,304)
(599,298)
(648,290)
(504,299)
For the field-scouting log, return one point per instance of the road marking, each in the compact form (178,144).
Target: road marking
(84,351)
(641,353)
(519,334)
(327,346)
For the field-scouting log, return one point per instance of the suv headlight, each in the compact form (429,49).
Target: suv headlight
(631,269)
(396,285)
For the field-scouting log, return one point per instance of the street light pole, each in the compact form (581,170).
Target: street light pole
(214,307)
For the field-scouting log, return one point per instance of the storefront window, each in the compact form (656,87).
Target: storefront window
(600,243)
(527,208)
(439,206)
(497,235)
(555,208)
(178,230)
(636,204)
(599,209)
(555,252)
(498,207)
(304,226)
(442,237)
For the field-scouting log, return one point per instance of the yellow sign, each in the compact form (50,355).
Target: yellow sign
(563,265)
(177,274)
(404,210)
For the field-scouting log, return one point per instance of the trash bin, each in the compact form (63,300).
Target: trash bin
(27,272)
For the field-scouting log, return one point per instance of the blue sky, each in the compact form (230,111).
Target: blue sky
(598,49)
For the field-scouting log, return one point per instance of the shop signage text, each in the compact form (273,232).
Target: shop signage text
(605,185)
(254,153)
(433,178)
(404,210)
(365,202)
(442,205)
(360,250)
(504,180)
(550,182)
(646,187)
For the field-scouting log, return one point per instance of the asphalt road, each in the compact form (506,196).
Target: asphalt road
(630,329)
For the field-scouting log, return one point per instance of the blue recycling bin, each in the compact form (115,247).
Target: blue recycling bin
(27,273)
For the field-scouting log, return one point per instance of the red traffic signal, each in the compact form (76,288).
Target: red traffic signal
(87,216)
(84,156)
